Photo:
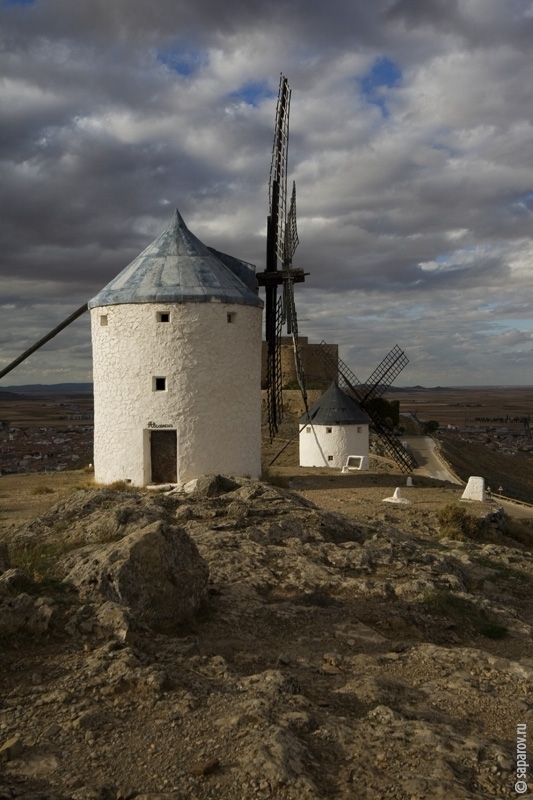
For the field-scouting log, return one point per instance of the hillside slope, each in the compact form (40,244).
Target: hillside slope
(337,657)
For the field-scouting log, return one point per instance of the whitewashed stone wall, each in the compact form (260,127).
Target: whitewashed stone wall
(212,397)
(317,446)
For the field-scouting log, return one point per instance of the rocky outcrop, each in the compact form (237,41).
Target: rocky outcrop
(117,549)
(5,562)
(92,516)
(336,659)
(156,572)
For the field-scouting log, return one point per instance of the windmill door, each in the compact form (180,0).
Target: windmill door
(164,456)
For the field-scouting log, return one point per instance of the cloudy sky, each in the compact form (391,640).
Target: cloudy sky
(411,143)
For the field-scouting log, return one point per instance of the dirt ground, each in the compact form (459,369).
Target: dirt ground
(322,669)
(340,657)
(24,497)
(28,495)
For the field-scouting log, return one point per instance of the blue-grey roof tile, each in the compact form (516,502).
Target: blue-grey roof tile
(178,268)
(335,407)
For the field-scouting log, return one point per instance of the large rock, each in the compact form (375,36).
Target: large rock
(5,562)
(15,613)
(14,580)
(25,613)
(157,572)
(93,516)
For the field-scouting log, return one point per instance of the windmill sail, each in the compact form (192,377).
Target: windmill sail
(385,373)
(274,390)
(282,240)
(291,241)
(278,178)
(50,335)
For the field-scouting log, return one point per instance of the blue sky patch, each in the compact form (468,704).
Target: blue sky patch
(524,203)
(253,93)
(384,74)
(445,258)
(182,61)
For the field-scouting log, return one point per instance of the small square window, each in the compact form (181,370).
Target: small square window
(328,430)
(230,316)
(308,429)
(163,316)
(358,429)
(330,458)
(103,320)
(159,384)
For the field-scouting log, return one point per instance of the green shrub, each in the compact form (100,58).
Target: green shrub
(463,611)
(291,385)
(456,523)
(43,490)
(504,571)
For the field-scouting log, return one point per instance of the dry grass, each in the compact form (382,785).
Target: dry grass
(42,490)
(456,523)
(22,498)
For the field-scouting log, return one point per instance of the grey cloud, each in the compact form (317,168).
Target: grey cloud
(513,337)
(421,204)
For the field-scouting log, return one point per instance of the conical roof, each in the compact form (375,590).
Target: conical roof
(335,407)
(178,268)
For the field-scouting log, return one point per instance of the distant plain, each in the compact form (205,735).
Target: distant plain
(449,406)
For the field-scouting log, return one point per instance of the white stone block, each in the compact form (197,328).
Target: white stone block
(397,498)
(475,489)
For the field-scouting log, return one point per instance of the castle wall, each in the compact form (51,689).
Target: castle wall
(211,398)
(316,371)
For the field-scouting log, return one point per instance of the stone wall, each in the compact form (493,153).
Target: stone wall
(317,373)
(211,399)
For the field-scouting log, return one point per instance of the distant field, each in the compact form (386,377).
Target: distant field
(46,410)
(457,407)
(448,406)
(460,407)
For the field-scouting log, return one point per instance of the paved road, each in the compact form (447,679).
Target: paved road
(423,449)
(515,510)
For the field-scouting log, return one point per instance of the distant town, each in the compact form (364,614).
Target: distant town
(45,449)
(42,431)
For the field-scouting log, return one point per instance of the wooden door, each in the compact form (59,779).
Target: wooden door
(164,456)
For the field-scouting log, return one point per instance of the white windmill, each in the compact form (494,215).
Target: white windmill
(176,365)
(334,429)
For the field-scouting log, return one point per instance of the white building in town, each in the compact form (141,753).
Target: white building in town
(335,430)
(177,360)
